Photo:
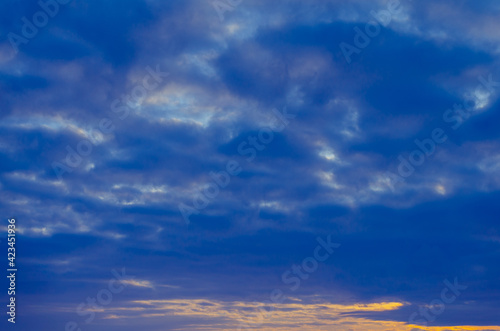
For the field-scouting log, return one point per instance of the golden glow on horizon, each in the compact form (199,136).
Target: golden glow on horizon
(286,316)
(455,328)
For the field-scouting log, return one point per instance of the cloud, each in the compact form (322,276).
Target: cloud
(325,174)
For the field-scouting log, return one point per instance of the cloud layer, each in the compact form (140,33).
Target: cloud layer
(114,115)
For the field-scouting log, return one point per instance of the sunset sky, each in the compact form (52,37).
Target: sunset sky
(251,165)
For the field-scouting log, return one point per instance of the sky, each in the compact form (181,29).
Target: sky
(251,165)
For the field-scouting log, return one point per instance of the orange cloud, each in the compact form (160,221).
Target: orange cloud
(239,315)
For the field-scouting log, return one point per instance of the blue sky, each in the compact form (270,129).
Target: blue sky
(195,158)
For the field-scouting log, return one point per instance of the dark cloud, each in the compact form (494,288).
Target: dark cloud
(324,173)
